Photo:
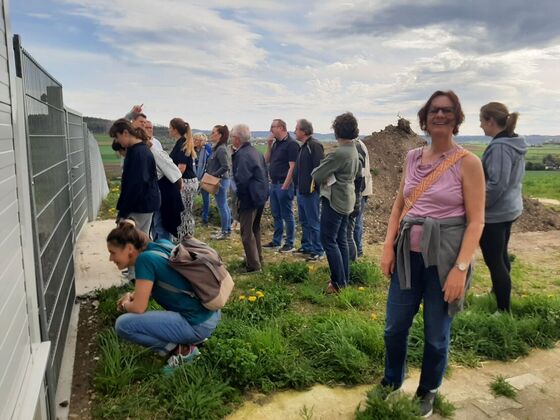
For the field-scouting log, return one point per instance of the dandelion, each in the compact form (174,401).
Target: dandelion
(252,298)
(361,289)
(312,268)
(241,297)
(259,294)
(373,316)
(252,290)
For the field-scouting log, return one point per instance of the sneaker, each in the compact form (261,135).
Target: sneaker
(271,245)
(250,271)
(287,249)
(220,236)
(181,359)
(331,289)
(302,251)
(426,402)
(315,258)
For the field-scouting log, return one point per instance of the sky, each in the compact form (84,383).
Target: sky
(249,61)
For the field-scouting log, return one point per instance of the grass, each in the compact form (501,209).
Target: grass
(542,184)
(500,387)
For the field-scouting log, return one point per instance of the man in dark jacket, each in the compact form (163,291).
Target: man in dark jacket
(251,186)
(310,155)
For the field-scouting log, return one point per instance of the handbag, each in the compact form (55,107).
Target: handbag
(210,183)
(430,179)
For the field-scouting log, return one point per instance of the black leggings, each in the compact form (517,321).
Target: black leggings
(494,244)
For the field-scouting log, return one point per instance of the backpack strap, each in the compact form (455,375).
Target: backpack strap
(430,179)
(167,286)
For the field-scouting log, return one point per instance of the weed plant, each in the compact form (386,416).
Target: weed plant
(365,273)
(500,387)
(290,272)
(399,407)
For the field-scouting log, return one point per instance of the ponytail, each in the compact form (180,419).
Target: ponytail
(511,122)
(184,129)
(224,135)
(126,233)
(122,125)
(501,115)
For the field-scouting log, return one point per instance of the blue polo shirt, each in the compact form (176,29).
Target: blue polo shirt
(152,267)
(282,152)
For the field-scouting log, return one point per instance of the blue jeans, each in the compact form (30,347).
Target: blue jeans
(158,231)
(333,238)
(205,205)
(223,207)
(161,331)
(310,220)
(402,306)
(282,212)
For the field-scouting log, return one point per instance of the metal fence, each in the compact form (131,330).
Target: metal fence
(67,186)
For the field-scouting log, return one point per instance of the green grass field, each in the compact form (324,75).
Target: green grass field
(108,155)
(542,184)
(534,154)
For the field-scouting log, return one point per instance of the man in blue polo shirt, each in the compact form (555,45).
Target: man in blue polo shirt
(281,157)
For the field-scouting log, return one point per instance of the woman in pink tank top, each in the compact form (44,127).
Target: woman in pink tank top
(428,250)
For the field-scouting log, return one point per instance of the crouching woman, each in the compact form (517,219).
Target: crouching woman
(175,331)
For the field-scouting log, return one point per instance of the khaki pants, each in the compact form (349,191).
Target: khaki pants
(250,226)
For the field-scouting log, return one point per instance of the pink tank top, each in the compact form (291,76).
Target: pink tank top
(443,199)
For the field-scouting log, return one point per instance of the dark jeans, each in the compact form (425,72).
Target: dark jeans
(355,232)
(205,205)
(494,244)
(402,306)
(333,238)
(250,229)
(282,212)
(310,218)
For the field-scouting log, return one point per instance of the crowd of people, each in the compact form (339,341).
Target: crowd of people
(449,202)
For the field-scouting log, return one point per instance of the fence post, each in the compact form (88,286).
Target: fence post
(89,177)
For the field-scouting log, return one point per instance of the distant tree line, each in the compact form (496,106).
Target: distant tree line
(549,162)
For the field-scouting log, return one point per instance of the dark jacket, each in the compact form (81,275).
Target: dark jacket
(251,180)
(219,162)
(139,188)
(310,155)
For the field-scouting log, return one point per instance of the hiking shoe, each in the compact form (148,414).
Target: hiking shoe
(271,245)
(331,289)
(287,248)
(303,251)
(315,258)
(426,402)
(181,359)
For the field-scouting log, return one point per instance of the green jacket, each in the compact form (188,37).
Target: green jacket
(343,162)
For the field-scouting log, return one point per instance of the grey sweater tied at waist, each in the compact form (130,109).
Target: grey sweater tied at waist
(440,245)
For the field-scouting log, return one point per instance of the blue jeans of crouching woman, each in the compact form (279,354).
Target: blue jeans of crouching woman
(402,306)
(333,238)
(161,331)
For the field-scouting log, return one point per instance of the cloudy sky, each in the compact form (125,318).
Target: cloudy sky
(249,61)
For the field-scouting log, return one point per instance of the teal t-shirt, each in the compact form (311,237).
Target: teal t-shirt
(153,267)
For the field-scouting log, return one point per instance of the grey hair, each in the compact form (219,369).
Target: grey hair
(242,131)
(281,123)
(305,126)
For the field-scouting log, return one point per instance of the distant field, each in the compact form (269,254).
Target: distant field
(542,184)
(107,154)
(534,154)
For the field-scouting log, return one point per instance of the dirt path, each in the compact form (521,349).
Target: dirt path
(537,378)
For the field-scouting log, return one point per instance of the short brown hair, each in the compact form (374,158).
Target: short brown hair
(459,116)
(345,126)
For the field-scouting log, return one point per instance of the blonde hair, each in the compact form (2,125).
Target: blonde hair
(184,129)
(200,136)
(501,115)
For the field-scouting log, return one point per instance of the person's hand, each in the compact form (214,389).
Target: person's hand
(270,140)
(388,261)
(179,184)
(285,186)
(137,109)
(454,287)
(127,297)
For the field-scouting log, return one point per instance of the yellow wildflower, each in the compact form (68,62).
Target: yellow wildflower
(361,289)
(252,298)
(259,294)
(373,316)
(252,290)
(312,267)
(241,297)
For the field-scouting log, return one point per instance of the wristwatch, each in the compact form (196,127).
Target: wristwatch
(461,266)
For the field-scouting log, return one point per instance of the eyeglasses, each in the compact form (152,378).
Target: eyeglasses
(444,110)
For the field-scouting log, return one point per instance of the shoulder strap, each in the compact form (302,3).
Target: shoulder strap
(430,179)
(167,286)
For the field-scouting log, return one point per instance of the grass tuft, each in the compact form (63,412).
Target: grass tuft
(500,387)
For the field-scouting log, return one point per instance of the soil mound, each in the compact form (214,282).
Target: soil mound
(387,151)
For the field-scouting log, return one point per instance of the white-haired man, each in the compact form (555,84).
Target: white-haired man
(251,184)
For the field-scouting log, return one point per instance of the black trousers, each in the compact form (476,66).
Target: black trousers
(494,244)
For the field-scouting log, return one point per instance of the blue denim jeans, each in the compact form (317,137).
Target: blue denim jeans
(402,306)
(205,205)
(310,219)
(333,238)
(282,212)
(223,206)
(161,331)
(359,227)
(158,231)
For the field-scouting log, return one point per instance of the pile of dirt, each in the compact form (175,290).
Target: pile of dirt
(387,151)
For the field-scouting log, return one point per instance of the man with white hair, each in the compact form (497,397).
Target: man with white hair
(149,129)
(251,180)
